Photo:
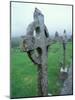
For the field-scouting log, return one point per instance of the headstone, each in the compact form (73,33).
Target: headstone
(56,36)
(67,88)
(37,49)
(64,69)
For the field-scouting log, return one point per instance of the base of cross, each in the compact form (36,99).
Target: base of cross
(63,73)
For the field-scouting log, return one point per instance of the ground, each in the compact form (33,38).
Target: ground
(24,72)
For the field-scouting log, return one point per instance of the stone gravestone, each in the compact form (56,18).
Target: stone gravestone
(67,88)
(37,49)
(64,70)
(64,48)
(56,38)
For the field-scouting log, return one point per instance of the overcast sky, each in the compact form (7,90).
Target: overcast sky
(57,17)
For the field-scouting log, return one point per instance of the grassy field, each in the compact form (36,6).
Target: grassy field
(24,72)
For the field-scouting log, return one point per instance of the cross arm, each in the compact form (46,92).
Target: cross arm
(29,43)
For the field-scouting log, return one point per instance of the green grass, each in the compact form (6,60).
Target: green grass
(24,72)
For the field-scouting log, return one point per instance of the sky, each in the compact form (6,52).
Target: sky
(56,17)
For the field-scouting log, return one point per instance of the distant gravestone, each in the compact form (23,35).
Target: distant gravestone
(37,49)
(56,36)
(64,69)
(67,88)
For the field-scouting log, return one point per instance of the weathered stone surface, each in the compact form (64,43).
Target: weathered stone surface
(37,49)
(64,48)
(67,86)
(31,42)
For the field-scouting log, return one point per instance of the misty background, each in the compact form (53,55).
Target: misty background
(57,17)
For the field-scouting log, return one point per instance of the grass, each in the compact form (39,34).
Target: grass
(24,72)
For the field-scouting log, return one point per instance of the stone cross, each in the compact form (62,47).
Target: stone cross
(64,41)
(36,47)
(64,70)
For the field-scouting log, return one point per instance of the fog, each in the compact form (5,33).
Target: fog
(57,17)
